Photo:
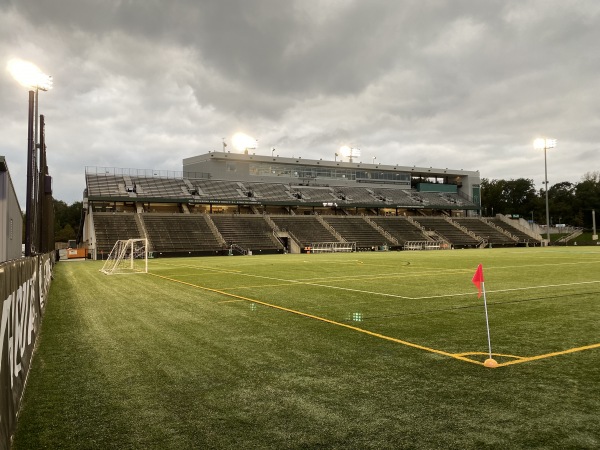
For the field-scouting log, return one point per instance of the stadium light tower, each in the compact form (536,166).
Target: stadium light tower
(539,144)
(31,77)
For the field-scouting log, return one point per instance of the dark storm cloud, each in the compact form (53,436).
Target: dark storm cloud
(463,84)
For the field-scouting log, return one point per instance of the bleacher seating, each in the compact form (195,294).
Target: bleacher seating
(270,191)
(356,229)
(156,187)
(491,234)
(105,185)
(179,233)
(315,194)
(248,231)
(395,196)
(354,194)
(401,229)
(110,227)
(171,201)
(220,190)
(454,235)
(307,229)
(108,185)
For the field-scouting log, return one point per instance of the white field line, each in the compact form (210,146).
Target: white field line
(383,294)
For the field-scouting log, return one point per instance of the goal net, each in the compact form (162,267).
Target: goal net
(127,256)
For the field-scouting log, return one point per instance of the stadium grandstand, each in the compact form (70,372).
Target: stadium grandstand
(230,203)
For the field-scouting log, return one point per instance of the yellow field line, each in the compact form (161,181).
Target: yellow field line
(549,355)
(493,354)
(459,356)
(322,319)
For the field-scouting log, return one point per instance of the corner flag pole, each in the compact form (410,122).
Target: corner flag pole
(478,281)
(487,322)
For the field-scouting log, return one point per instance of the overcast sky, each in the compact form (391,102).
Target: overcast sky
(458,84)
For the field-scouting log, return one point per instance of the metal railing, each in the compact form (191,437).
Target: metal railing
(147,173)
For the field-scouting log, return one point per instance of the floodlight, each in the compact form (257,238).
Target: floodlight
(243,142)
(29,75)
(542,143)
(349,152)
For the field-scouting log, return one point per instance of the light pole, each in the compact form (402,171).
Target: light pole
(538,144)
(30,76)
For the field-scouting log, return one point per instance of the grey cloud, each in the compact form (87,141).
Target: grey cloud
(463,84)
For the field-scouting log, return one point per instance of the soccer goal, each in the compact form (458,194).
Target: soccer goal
(127,256)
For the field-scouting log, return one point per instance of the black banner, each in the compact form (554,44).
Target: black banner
(24,285)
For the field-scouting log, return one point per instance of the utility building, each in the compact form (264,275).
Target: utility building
(11,219)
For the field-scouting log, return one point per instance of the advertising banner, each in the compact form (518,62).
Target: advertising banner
(24,285)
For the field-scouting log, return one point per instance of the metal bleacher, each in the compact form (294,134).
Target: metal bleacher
(401,229)
(270,191)
(491,234)
(354,194)
(307,229)
(248,231)
(180,233)
(157,187)
(395,196)
(219,189)
(315,194)
(356,229)
(454,235)
(100,185)
(110,227)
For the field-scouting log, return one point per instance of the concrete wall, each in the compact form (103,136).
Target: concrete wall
(11,221)
(235,167)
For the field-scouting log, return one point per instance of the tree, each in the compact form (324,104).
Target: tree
(561,198)
(587,197)
(66,233)
(66,215)
(509,197)
(521,197)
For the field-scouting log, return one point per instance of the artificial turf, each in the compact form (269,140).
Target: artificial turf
(192,355)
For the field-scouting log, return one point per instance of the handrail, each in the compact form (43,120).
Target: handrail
(240,250)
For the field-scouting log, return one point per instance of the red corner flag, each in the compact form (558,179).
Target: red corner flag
(478,279)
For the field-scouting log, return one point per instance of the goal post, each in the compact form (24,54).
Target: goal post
(127,256)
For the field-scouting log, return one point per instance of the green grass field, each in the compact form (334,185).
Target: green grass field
(361,350)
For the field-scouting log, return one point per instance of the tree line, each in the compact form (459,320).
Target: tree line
(569,203)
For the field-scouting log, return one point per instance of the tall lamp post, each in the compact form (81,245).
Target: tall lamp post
(539,144)
(30,76)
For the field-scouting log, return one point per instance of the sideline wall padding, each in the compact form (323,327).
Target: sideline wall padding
(24,285)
